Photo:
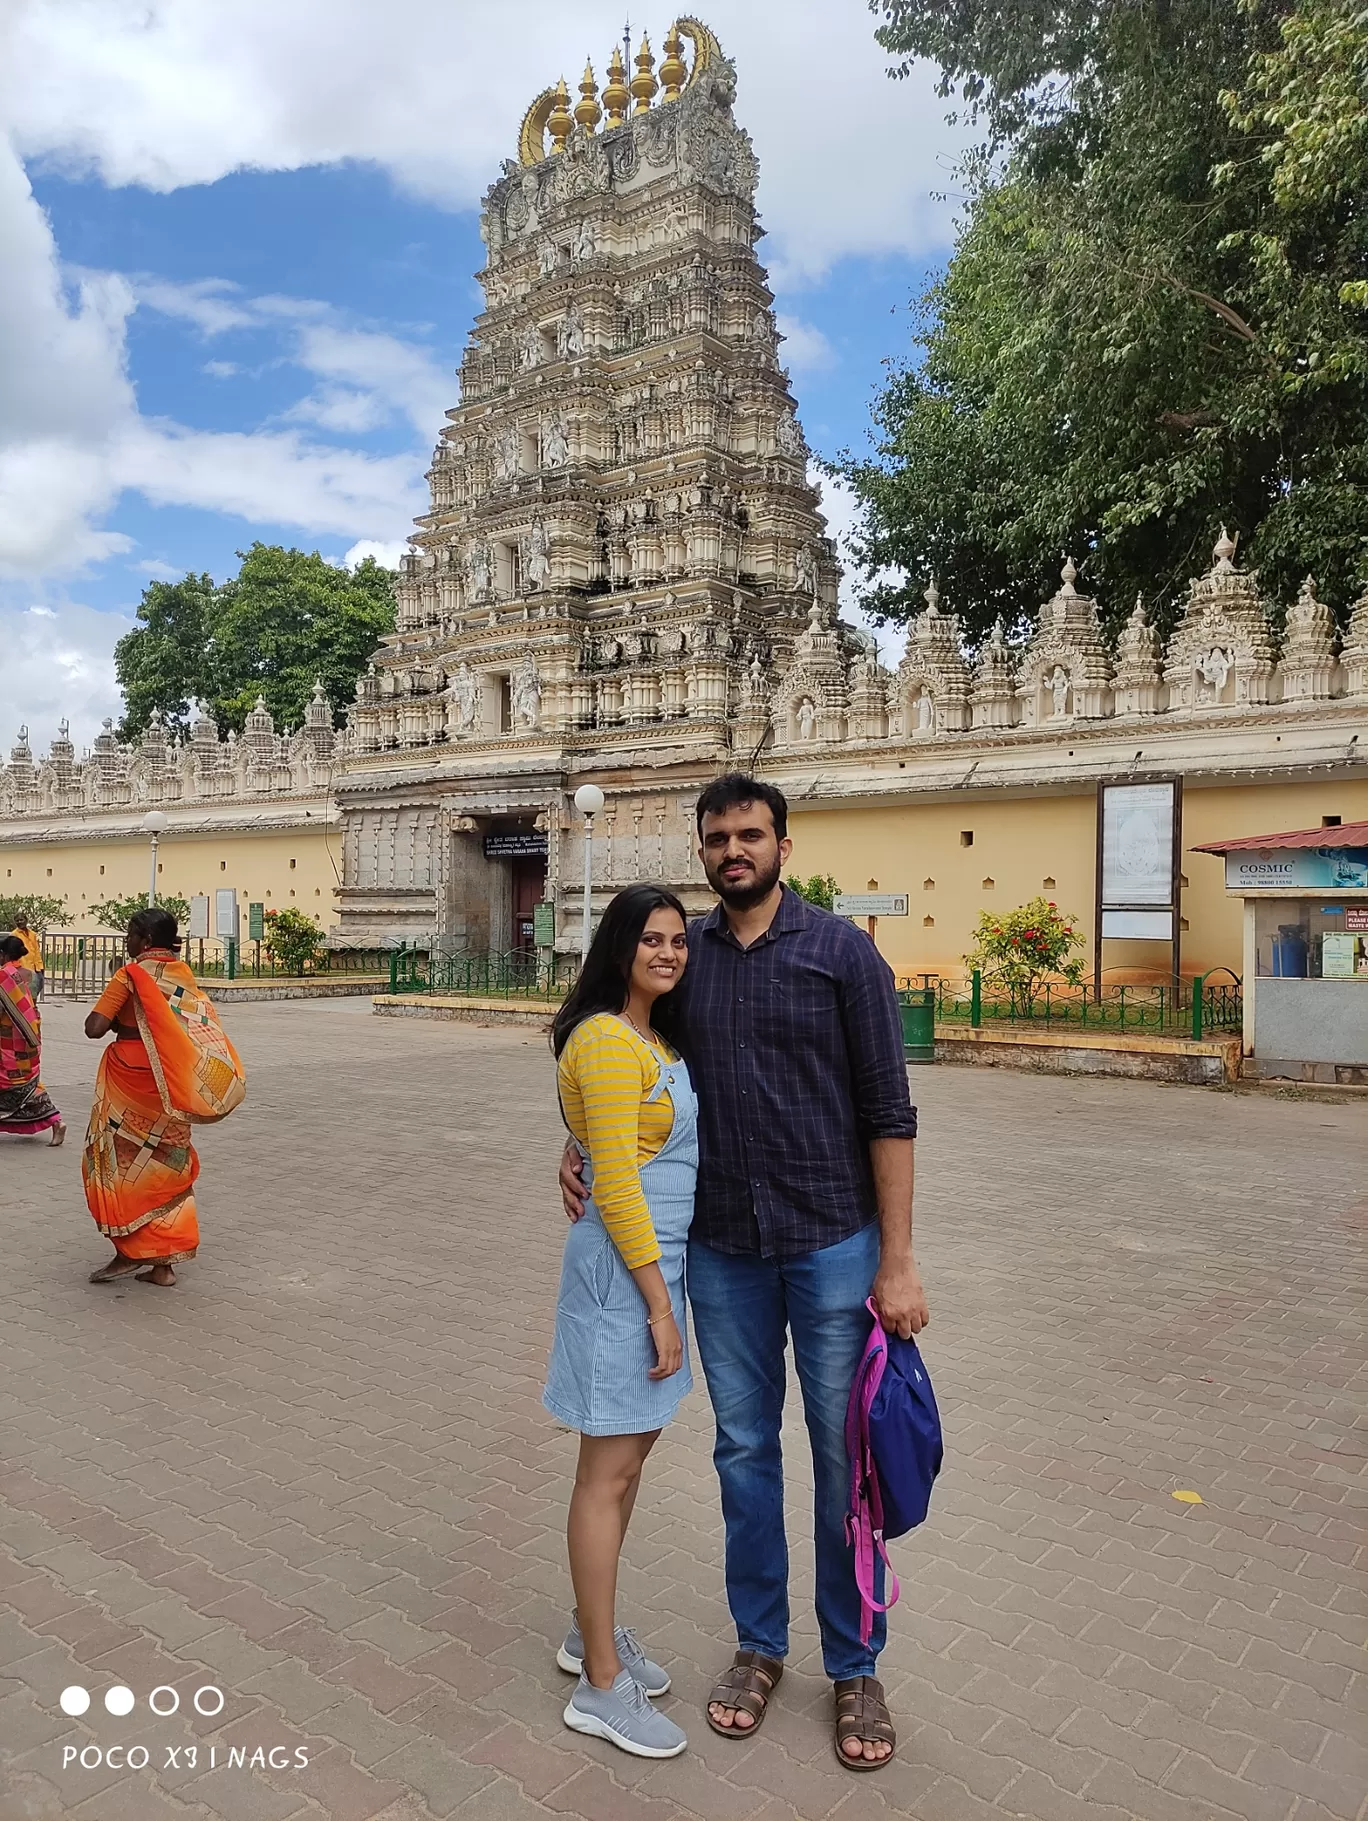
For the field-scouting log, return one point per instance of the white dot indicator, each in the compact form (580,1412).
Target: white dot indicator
(119,1700)
(74,1700)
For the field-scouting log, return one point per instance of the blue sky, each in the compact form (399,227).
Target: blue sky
(244,284)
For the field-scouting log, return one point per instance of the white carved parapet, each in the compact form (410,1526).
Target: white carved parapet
(1138,684)
(1222,654)
(1354,656)
(1066,671)
(994,698)
(933,684)
(1307,668)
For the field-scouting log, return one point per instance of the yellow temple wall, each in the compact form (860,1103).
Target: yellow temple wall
(1042,844)
(280,867)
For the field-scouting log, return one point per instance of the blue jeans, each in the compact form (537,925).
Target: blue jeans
(741,1309)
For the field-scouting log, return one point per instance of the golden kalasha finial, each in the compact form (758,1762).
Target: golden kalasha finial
(559,122)
(672,69)
(587,110)
(616,95)
(644,84)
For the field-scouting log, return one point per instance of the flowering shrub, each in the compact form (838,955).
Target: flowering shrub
(1018,953)
(293,941)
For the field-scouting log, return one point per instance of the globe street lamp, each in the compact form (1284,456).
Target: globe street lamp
(588,801)
(152,824)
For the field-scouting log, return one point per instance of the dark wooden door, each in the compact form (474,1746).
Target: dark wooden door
(529,885)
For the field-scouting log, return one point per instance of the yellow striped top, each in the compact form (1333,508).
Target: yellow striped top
(605,1073)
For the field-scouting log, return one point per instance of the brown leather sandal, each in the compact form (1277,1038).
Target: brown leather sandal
(747,1686)
(862,1713)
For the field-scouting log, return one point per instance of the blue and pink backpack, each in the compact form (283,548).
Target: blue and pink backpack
(893,1438)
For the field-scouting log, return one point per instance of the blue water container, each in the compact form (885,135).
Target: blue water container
(1289,953)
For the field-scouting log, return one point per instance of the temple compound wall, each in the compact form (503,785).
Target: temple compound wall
(624,578)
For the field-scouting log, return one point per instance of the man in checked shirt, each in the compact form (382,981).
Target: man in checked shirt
(790,1026)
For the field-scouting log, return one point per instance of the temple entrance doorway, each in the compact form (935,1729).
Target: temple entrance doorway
(521,852)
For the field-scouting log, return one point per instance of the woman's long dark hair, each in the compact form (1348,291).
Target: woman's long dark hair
(602,982)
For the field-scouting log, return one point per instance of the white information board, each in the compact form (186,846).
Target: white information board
(870,904)
(1137,845)
(198,926)
(226,914)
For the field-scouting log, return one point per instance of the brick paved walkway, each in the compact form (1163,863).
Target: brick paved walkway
(318,1477)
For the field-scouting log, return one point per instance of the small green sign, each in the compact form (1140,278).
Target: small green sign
(256,922)
(544,925)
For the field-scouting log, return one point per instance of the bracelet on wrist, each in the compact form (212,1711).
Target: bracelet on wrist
(666,1315)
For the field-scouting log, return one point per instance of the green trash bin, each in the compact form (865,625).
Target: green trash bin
(917,1008)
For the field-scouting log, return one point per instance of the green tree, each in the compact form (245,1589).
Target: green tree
(1149,325)
(284,620)
(114,913)
(38,912)
(820,889)
(164,663)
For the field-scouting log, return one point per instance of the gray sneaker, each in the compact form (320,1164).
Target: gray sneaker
(650,1676)
(622,1715)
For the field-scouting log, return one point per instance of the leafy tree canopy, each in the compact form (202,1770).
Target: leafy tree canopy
(38,912)
(116,913)
(1156,316)
(283,621)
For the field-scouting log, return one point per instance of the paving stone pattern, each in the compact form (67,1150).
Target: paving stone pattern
(318,1477)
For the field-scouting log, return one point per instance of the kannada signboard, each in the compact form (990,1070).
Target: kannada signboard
(516,844)
(544,925)
(870,904)
(1280,869)
(1356,917)
(256,922)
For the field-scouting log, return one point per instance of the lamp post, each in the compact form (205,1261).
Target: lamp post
(153,823)
(588,801)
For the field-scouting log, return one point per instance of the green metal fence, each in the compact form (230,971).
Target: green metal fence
(78,966)
(1197,1008)
(513,975)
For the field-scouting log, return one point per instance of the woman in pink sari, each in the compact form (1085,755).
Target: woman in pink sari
(25,1105)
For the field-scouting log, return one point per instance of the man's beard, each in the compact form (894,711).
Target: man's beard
(749,890)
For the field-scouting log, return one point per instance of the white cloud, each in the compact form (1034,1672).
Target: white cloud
(387,555)
(805,349)
(221,369)
(269,477)
(58,661)
(71,438)
(159,571)
(211,304)
(173,92)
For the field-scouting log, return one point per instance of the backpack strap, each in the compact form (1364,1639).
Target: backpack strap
(865,1518)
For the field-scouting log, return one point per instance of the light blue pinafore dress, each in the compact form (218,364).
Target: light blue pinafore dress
(596,1381)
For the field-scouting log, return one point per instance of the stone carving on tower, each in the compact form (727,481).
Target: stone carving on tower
(1354,656)
(1307,668)
(1065,670)
(933,680)
(993,698)
(1137,686)
(1222,653)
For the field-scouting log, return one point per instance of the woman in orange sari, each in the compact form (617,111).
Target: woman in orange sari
(25,1105)
(170,1067)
